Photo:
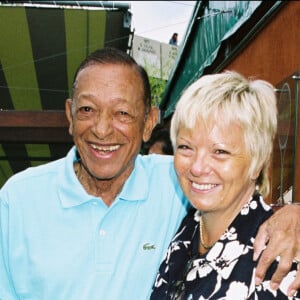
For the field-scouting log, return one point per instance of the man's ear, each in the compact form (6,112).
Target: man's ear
(150,123)
(68,108)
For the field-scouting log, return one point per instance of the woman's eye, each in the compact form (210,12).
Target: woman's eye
(221,151)
(184,150)
(182,147)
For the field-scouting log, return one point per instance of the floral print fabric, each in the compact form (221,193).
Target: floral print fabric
(227,270)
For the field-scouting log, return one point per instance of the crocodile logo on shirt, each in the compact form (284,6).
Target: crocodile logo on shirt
(148,246)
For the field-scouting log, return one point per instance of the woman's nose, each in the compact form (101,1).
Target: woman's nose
(200,165)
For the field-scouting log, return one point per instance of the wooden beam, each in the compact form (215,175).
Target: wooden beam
(34,127)
(34,135)
(45,118)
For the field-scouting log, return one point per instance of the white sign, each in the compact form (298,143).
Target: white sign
(168,57)
(157,58)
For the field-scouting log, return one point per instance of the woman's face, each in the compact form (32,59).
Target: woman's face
(212,164)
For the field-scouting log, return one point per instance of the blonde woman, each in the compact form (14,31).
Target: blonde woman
(222,132)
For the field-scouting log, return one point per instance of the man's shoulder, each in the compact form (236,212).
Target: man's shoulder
(156,165)
(36,174)
(152,160)
(33,174)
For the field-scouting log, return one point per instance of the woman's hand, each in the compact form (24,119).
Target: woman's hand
(279,236)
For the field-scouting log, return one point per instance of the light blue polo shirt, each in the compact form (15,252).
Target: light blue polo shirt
(59,243)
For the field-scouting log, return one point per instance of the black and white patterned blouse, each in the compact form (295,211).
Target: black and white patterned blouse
(226,271)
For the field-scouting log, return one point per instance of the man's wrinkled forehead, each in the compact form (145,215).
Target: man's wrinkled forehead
(112,81)
(129,67)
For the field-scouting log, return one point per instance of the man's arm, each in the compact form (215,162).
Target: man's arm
(7,291)
(281,233)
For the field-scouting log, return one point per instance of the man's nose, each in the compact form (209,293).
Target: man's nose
(103,124)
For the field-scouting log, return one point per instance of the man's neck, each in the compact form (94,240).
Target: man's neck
(106,189)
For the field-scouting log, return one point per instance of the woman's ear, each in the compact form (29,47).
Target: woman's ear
(150,123)
(256,173)
(68,108)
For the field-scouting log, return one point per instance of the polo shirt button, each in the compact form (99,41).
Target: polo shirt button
(102,232)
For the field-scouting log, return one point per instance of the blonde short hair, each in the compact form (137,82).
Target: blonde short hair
(251,103)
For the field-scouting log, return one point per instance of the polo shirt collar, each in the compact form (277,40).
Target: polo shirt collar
(136,186)
(71,192)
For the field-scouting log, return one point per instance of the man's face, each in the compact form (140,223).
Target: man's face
(109,120)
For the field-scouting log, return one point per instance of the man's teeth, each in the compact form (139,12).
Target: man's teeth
(107,148)
(203,186)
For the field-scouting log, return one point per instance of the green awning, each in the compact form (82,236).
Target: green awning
(218,31)
(41,47)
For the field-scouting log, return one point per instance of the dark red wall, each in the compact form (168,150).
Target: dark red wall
(273,55)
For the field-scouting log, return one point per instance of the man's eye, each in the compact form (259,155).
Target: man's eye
(123,113)
(124,116)
(85,109)
(84,112)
